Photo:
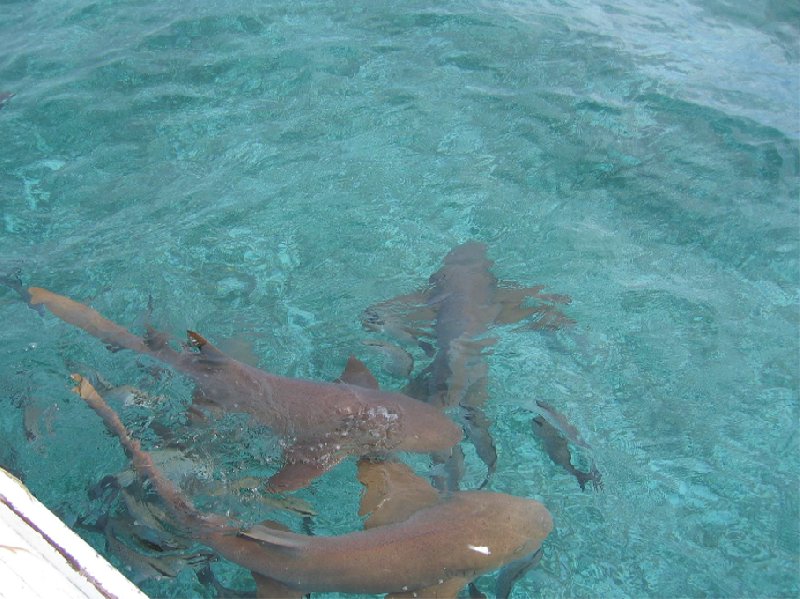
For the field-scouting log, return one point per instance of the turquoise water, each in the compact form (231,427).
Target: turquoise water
(266,171)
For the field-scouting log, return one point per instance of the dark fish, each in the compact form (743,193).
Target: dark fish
(557,447)
(560,422)
(14,281)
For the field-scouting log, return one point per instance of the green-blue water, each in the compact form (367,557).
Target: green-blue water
(266,170)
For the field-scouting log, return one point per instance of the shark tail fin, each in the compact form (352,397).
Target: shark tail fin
(84,317)
(180,507)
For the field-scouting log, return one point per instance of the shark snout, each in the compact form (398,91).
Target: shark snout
(432,432)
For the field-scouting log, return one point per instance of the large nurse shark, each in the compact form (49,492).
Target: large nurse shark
(463,301)
(320,423)
(416,542)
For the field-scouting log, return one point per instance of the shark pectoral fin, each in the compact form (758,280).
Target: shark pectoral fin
(356,373)
(402,317)
(448,468)
(269,534)
(512,310)
(447,589)
(475,592)
(514,296)
(512,572)
(428,348)
(546,318)
(421,314)
(392,492)
(510,314)
(478,431)
(549,317)
(269,588)
(400,303)
(298,473)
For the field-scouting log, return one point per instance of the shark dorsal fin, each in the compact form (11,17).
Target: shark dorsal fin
(392,492)
(207,350)
(356,373)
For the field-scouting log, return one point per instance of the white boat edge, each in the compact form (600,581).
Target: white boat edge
(41,557)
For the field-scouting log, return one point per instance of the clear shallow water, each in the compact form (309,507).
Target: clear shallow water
(267,171)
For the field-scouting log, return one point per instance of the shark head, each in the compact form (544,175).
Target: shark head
(505,527)
(467,253)
(428,429)
(467,258)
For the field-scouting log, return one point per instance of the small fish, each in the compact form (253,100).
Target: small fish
(14,281)
(5,97)
(255,485)
(560,422)
(557,447)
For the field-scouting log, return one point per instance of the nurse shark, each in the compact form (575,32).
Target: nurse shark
(416,543)
(320,423)
(462,302)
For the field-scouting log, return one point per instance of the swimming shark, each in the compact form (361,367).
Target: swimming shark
(463,301)
(320,423)
(415,542)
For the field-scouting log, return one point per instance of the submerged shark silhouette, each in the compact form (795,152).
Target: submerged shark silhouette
(416,543)
(463,301)
(320,423)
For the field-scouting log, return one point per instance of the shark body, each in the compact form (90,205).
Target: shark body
(320,423)
(463,302)
(423,544)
